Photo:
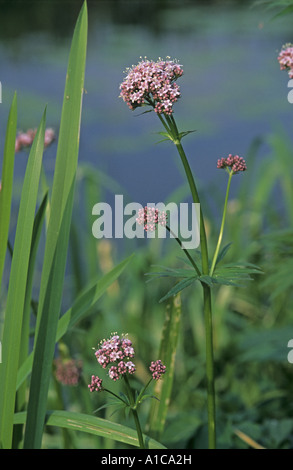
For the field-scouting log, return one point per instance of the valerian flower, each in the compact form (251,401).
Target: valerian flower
(158,369)
(285,58)
(25,139)
(234,162)
(152,83)
(150,217)
(68,371)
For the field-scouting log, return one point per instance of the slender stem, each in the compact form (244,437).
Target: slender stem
(210,366)
(206,289)
(114,395)
(185,251)
(222,225)
(143,390)
(134,413)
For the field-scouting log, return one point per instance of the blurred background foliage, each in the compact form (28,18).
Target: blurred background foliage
(247,113)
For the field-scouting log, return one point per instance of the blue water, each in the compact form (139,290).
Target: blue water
(232,92)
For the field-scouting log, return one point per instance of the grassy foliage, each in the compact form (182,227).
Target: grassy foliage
(107,290)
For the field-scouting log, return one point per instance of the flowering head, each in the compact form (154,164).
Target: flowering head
(150,217)
(234,162)
(68,372)
(96,384)
(116,352)
(25,139)
(152,83)
(285,58)
(157,369)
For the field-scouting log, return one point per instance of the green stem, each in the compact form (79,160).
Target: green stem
(222,225)
(134,413)
(185,251)
(210,375)
(171,124)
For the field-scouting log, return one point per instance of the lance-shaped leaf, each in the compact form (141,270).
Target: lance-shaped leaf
(7,181)
(17,287)
(91,425)
(167,354)
(57,235)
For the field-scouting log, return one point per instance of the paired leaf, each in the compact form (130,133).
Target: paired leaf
(169,136)
(233,274)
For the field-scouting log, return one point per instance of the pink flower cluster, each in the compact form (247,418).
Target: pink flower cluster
(234,162)
(158,369)
(152,83)
(116,350)
(68,372)
(150,217)
(96,384)
(25,139)
(285,59)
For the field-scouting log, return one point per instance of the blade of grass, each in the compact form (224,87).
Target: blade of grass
(57,235)
(24,347)
(17,287)
(7,182)
(163,388)
(90,424)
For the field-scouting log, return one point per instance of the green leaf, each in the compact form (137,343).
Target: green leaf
(179,287)
(7,182)
(235,274)
(167,354)
(17,287)
(24,347)
(92,425)
(184,133)
(57,235)
(82,306)
(223,253)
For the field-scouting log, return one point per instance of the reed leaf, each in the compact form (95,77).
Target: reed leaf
(7,182)
(17,287)
(91,425)
(56,247)
(163,387)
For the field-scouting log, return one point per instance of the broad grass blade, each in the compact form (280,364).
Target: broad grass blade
(17,287)
(163,387)
(7,182)
(56,247)
(90,424)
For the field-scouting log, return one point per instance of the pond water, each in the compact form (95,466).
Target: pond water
(232,88)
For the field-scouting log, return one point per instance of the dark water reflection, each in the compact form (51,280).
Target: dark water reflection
(232,89)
